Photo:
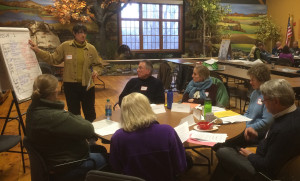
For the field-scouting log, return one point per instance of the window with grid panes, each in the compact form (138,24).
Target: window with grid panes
(151,27)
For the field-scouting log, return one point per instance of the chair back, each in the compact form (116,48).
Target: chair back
(165,74)
(290,171)
(95,175)
(38,167)
(284,62)
(222,92)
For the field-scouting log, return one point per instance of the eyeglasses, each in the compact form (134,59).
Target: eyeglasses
(264,100)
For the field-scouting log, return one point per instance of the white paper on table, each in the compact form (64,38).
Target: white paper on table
(234,119)
(254,62)
(210,137)
(157,109)
(185,108)
(189,119)
(288,70)
(211,61)
(106,127)
(103,123)
(182,131)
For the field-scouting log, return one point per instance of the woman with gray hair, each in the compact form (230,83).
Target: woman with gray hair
(257,111)
(58,135)
(143,147)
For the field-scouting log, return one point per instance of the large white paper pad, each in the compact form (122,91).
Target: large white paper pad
(182,131)
(185,108)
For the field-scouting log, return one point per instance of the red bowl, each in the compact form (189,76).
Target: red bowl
(204,125)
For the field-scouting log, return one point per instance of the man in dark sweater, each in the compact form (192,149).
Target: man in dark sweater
(146,84)
(280,143)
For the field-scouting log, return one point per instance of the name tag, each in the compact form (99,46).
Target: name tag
(144,88)
(68,57)
(259,102)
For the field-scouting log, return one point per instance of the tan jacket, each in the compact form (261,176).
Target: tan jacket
(66,52)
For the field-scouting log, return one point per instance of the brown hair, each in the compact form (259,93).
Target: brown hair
(202,71)
(260,71)
(43,86)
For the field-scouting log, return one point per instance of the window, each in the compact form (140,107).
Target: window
(151,27)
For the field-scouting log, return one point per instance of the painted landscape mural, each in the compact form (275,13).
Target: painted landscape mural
(241,25)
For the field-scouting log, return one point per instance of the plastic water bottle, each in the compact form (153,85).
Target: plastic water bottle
(207,105)
(108,110)
(169,99)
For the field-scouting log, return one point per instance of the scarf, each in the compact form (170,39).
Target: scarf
(193,87)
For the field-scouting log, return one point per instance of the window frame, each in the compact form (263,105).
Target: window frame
(160,20)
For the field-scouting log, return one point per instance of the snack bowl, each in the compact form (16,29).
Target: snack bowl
(205,125)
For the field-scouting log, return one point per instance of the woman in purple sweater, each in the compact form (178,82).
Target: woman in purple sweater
(287,54)
(143,147)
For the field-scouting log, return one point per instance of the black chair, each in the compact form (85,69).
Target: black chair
(41,172)
(9,141)
(95,175)
(284,62)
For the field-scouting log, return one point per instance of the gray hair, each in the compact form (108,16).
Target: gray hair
(281,89)
(148,65)
(136,112)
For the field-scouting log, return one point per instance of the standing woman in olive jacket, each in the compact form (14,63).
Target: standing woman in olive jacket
(58,135)
(81,66)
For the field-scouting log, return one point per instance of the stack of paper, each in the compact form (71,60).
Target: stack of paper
(228,113)
(231,117)
(210,137)
(106,127)
(235,119)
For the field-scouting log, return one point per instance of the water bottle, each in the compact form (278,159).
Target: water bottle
(207,105)
(108,111)
(169,99)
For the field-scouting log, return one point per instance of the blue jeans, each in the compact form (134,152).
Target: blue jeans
(78,173)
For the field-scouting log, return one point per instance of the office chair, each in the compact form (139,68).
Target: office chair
(9,141)
(41,172)
(95,175)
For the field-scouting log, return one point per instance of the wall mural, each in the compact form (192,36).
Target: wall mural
(241,24)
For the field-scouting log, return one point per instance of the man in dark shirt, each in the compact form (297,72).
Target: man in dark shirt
(278,146)
(146,84)
(277,49)
(295,50)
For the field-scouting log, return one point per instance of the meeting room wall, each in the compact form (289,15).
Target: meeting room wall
(280,10)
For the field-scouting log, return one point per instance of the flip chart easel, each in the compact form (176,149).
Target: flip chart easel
(225,49)
(19,68)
